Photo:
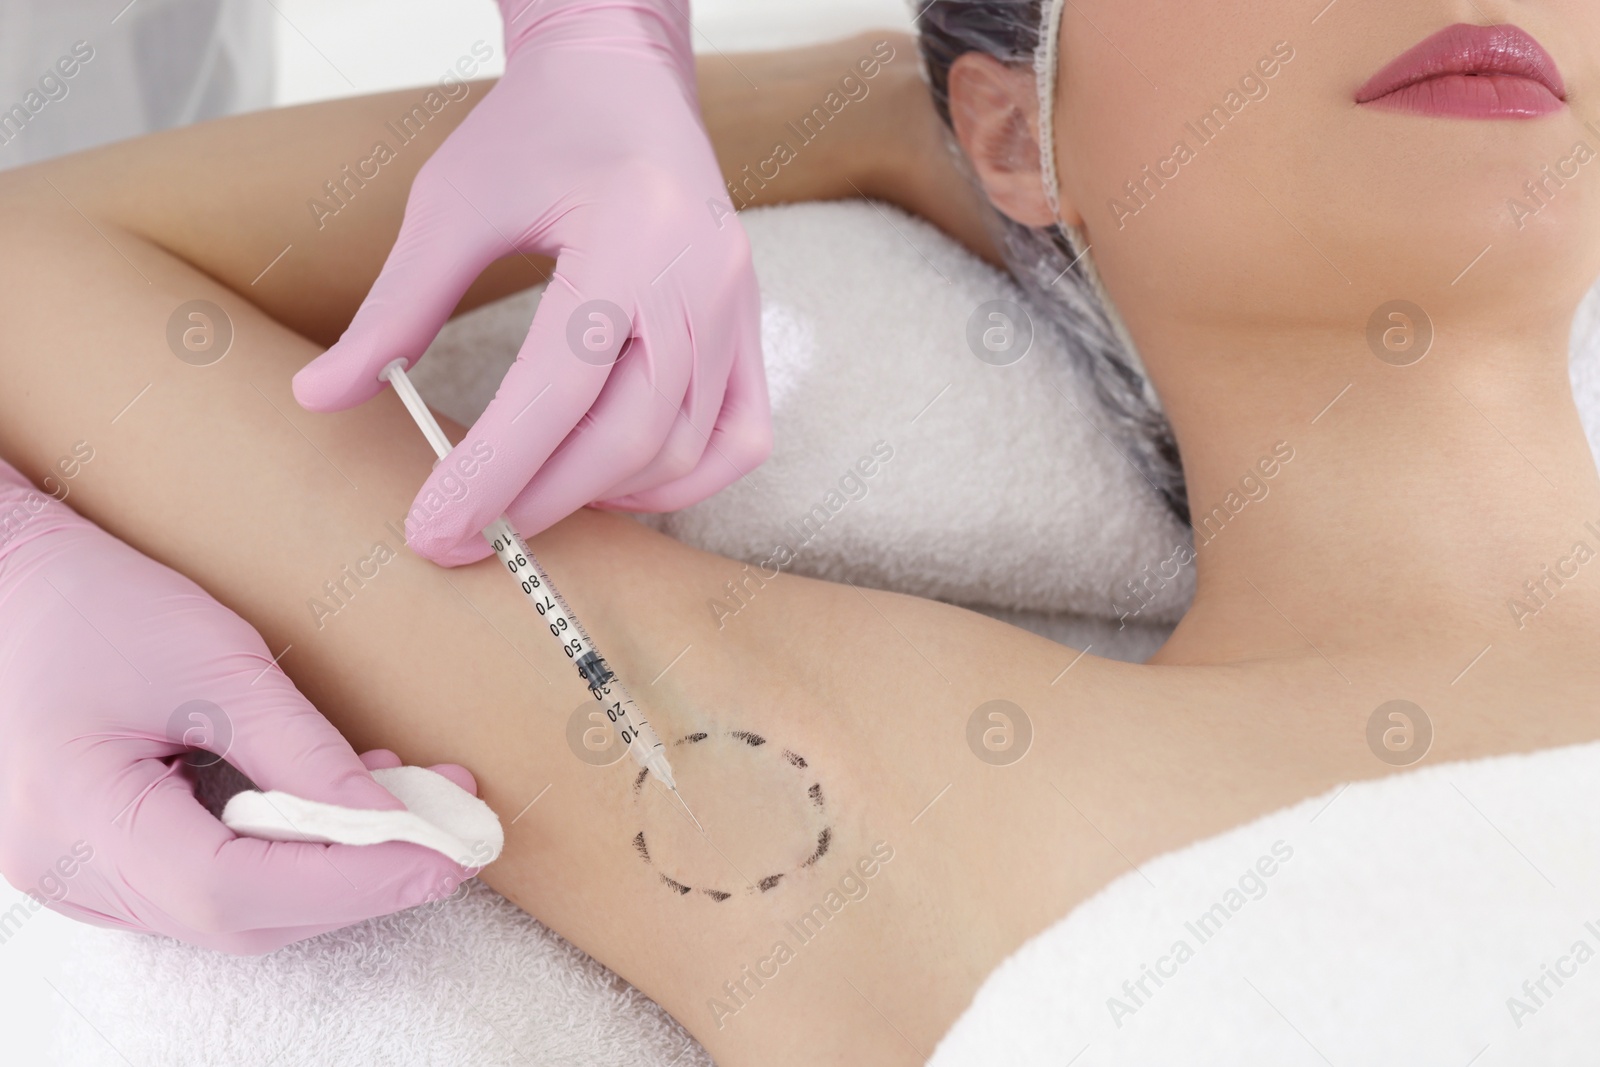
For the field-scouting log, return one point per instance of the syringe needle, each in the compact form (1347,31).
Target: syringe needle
(685,804)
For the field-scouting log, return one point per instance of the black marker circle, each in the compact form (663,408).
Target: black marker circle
(747,740)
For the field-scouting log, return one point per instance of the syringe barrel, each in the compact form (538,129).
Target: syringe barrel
(603,684)
(634,728)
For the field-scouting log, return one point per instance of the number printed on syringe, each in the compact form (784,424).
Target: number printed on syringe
(637,736)
(622,710)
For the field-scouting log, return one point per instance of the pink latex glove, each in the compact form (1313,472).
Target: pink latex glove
(590,149)
(101,652)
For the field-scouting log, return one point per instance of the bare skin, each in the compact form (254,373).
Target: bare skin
(1371,581)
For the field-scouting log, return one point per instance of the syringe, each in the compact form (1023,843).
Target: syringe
(621,709)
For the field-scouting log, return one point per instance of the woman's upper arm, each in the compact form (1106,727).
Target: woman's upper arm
(869,129)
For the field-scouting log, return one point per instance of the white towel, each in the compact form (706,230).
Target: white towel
(1390,922)
(1585,366)
(469,981)
(1002,491)
(1000,495)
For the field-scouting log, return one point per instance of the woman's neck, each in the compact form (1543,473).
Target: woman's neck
(1428,509)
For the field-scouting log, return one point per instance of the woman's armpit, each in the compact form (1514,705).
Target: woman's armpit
(761,808)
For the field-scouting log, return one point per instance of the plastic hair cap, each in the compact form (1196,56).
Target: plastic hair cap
(1044,69)
(1053,264)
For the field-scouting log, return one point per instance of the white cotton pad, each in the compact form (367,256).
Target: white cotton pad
(439,815)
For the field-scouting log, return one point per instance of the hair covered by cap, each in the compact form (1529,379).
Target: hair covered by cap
(1053,263)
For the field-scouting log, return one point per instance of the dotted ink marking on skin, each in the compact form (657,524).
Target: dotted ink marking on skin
(824,839)
(771,881)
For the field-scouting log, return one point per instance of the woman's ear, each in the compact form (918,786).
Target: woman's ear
(994,110)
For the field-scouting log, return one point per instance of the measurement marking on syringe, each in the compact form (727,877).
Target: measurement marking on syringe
(621,710)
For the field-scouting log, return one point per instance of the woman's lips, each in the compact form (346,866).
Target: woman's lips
(1482,72)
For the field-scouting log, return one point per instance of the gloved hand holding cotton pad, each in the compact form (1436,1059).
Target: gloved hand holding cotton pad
(439,815)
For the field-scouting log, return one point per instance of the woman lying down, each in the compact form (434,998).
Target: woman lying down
(1255,256)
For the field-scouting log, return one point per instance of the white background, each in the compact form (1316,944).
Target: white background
(369,45)
(330,48)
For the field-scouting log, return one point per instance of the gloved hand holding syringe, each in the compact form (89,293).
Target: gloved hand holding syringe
(621,709)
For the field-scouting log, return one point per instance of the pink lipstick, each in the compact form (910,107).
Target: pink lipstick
(1476,72)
